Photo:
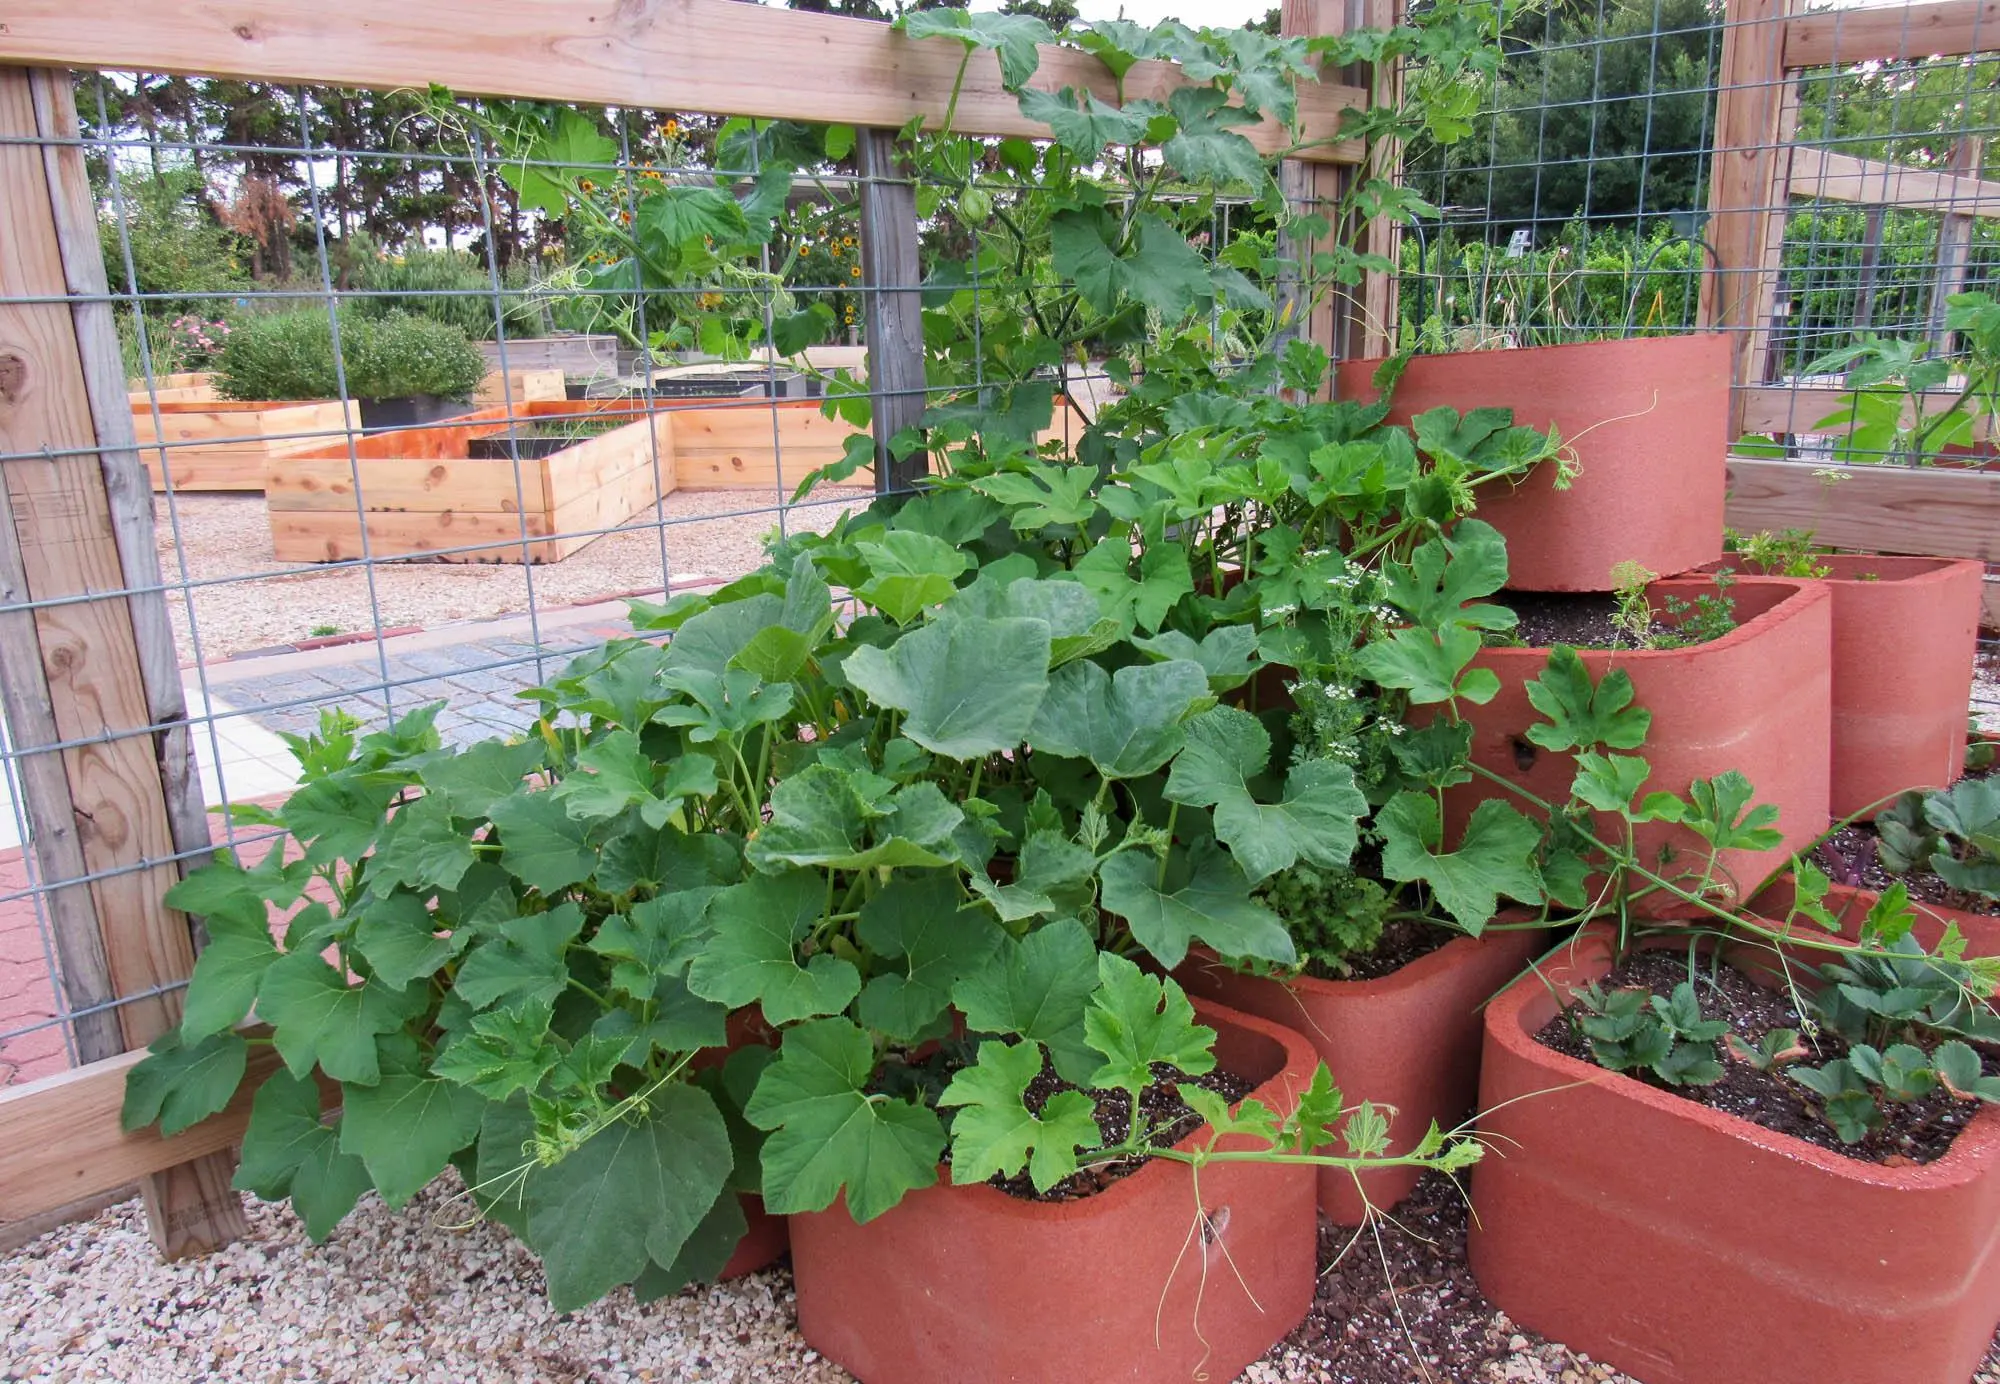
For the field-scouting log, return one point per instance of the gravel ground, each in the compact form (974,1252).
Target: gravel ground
(257,601)
(412,1295)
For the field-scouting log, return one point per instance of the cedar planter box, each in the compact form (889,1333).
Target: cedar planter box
(1408,1040)
(423,496)
(1648,419)
(516,386)
(1759,700)
(1905,630)
(764,444)
(972,1286)
(1688,1246)
(185,387)
(221,444)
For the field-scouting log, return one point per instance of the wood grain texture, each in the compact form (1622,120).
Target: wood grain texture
(1357,322)
(1834,177)
(427,505)
(1780,409)
(703,55)
(1932,512)
(79,524)
(517,386)
(61,1141)
(1942,28)
(1755,116)
(226,445)
(891,306)
(761,447)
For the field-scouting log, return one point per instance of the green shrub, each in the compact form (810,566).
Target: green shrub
(448,286)
(176,244)
(290,356)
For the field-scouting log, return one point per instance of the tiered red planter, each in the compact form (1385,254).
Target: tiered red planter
(1905,630)
(1758,700)
(1688,1246)
(1408,1041)
(1145,1282)
(1648,419)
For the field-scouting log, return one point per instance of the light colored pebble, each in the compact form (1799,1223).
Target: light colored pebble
(257,601)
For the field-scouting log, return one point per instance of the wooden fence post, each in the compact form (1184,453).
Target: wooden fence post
(892,306)
(91,664)
(1756,111)
(1360,321)
(1954,243)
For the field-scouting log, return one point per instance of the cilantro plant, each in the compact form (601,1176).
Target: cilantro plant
(1784,553)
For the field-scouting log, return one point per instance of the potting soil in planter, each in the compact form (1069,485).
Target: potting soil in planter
(1850,857)
(1917,1131)
(1400,1028)
(1686,1245)
(1589,620)
(1152,1280)
(1169,1118)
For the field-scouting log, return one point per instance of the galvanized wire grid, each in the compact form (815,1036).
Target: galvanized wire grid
(1580,207)
(232,701)
(1577,210)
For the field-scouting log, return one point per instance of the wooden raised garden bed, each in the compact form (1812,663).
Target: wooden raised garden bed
(227,443)
(186,387)
(736,446)
(423,495)
(430,492)
(517,386)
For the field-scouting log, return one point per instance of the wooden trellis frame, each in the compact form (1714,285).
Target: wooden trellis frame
(79,523)
(1759,169)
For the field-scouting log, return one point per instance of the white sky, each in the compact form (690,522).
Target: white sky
(1214,14)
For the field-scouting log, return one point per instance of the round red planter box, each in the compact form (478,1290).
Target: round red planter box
(1849,906)
(1904,633)
(1687,1246)
(1648,419)
(972,1286)
(1757,700)
(1408,1040)
(766,1239)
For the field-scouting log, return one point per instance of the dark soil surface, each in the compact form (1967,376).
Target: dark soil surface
(1397,1304)
(1403,940)
(1848,857)
(1912,1132)
(1582,620)
(1161,1106)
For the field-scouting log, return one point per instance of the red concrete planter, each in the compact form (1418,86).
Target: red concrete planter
(970,1285)
(1849,906)
(1408,1040)
(1648,419)
(1687,1246)
(1757,700)
(768,1236)
(762,1243)
(1903,645)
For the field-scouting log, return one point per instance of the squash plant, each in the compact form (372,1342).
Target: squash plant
(928,841)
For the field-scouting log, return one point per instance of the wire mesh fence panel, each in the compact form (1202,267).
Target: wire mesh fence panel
(430,391)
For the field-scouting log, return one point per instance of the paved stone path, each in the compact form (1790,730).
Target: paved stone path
(477,671)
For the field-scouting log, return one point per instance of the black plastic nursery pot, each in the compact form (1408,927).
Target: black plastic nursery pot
(527,447)
(410,411)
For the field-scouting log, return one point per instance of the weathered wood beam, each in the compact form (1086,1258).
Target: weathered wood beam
(720,56)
